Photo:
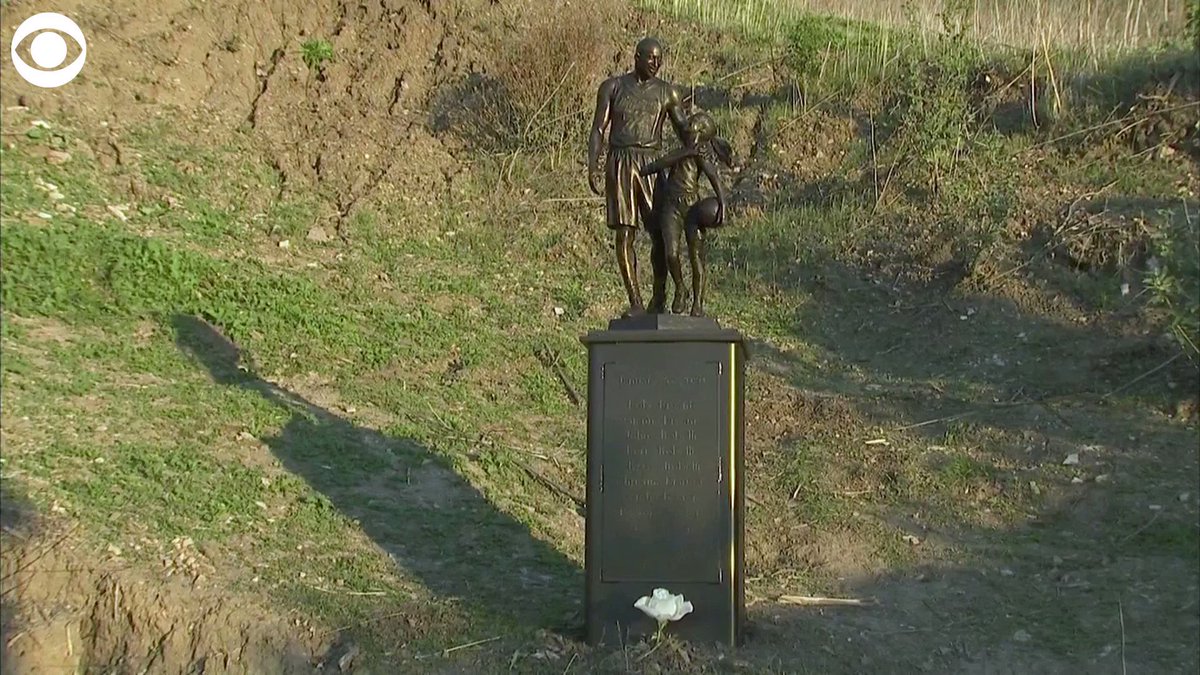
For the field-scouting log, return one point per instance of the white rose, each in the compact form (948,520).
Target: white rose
(662,606)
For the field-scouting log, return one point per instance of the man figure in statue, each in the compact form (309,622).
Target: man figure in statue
(633,107)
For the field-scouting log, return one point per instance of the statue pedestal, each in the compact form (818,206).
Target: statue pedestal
(665,499)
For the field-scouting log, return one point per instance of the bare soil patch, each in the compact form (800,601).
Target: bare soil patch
(68,609)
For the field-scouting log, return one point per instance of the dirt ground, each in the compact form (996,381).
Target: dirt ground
(1100,575)
(356,131)
(63,612)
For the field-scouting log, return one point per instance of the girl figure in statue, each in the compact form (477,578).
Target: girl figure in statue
(681,212)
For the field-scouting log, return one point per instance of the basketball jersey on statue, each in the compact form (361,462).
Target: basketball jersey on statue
(637,112)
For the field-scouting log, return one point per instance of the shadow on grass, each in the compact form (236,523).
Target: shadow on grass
(479,110)
(437,527)
(1119,85)
(1000,392)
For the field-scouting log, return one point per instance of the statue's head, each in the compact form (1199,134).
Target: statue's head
(701,128)
(647,58)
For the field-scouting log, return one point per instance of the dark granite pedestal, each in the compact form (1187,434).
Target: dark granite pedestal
(664,476)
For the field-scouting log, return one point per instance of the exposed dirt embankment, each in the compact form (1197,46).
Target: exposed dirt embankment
(352,126)
(64,610)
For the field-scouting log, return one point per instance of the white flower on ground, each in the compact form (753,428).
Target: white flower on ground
(663,606)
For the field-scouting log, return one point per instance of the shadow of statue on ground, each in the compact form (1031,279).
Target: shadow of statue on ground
(435,525)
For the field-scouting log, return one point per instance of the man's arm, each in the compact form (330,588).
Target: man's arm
(710,172)
(675,111)
(599,122)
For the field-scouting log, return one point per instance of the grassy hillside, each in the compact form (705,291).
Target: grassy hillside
(308,352)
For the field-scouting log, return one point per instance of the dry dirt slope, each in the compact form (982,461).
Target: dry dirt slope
(355,129)
(64,614)
(356,133)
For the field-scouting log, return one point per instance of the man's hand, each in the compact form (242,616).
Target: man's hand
(596,138)
(594,180)
(720,220)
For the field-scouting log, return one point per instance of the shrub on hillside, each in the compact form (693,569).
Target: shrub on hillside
(550,68)
(1174,278)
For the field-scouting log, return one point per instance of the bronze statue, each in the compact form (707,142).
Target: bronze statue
(679,209)
(633,107)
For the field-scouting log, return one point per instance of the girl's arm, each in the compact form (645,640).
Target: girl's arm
(669,160)
(711,173)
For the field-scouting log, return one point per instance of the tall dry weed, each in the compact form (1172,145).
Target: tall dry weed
(550,67)
(1094,26)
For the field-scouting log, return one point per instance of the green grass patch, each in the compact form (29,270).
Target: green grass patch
(316,52)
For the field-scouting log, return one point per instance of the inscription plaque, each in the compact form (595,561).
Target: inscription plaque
(661,472)
(664,492)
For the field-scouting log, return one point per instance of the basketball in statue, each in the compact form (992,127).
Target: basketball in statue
(704,214)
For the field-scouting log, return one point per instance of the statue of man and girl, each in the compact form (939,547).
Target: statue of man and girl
(660,192)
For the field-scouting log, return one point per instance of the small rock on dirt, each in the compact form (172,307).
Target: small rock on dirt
(318,234)
(117,211)
(1022,636)
(58,157)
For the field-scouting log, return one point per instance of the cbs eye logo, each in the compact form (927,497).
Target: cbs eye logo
(48,50)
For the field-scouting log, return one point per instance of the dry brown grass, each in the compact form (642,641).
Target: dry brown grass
(1093,25)
(552,65)
(540,86)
